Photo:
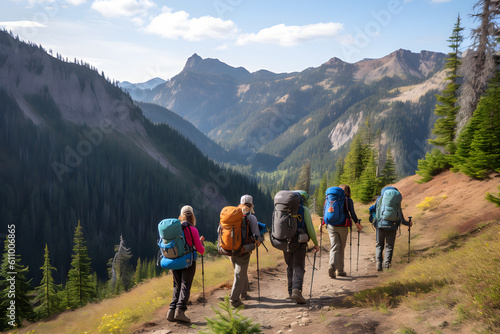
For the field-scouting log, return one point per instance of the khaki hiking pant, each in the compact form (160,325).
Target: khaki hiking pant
(240,283)
(338,241)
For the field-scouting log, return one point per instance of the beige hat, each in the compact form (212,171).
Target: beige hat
(247,200)
(187,210)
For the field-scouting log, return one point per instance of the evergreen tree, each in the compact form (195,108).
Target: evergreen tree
(79,282)
(304,180)
(478,147)
(368,184)
(138,277)
(151,269)
(121,272)
(447,107)
(354,162)
(320,194)
(389,175)
(15,293)
(46,292)
(145,269)
(228,321)
(339,171)
(433,164)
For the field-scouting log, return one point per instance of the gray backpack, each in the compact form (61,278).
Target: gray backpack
(284,234)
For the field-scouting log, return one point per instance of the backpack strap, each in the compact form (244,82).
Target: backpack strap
(185,227)
(348,213)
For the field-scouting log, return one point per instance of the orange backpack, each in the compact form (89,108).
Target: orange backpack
(232,231)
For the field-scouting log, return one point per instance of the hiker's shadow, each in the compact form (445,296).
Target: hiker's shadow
(352,278)
(272,303)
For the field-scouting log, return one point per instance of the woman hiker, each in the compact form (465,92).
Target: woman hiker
(183,278)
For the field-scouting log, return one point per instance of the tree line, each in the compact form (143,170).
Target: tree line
(81,285)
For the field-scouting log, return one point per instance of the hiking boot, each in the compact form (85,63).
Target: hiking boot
(237,303)
(245,296)
(379,267)
(331,272)
(340,273)
(180,316)
(170,315)
(297,296)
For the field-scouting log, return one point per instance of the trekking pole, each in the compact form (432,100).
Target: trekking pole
(203,278)
(320,238)
(258,273)
(312,278)
(357,260)
(409,227)
(350,251)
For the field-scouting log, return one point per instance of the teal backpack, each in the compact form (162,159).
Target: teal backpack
(175,251)
(388,212)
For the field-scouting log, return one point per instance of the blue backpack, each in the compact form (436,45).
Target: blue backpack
(175,251)
(334,208)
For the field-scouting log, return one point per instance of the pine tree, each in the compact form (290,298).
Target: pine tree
(368,181)
(389,175)
(339,171)
(15,293)
(304,180)
(145,269)
(320,194)
(447,107)
(228,321)
(46,292)
(79,282)
(121,272)
(138,272)
(478,147)
(354,162)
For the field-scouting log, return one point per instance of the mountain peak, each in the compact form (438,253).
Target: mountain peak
(193,61)
(214,66)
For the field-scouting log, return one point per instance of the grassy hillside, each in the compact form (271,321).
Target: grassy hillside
(453,273)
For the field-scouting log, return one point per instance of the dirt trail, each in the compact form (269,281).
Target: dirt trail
(460,209)
(277,315)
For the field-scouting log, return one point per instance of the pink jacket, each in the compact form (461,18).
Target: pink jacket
(193,231)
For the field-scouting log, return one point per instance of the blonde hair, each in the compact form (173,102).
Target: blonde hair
(346,189)
(188,218)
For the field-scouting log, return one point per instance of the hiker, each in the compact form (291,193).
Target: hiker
(295,256)
(183,278)
(240,259)
(338,235)
(388,217)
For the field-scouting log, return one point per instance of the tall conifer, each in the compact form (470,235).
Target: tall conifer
(478,147)
(46,293)
(79,282)
(447,107)
(15,291)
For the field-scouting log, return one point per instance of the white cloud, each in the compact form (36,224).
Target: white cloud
(176,25)
(76,2)
(121,8)
(12,25)
(291,35)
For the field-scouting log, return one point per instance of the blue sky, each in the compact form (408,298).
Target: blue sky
(136,40)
